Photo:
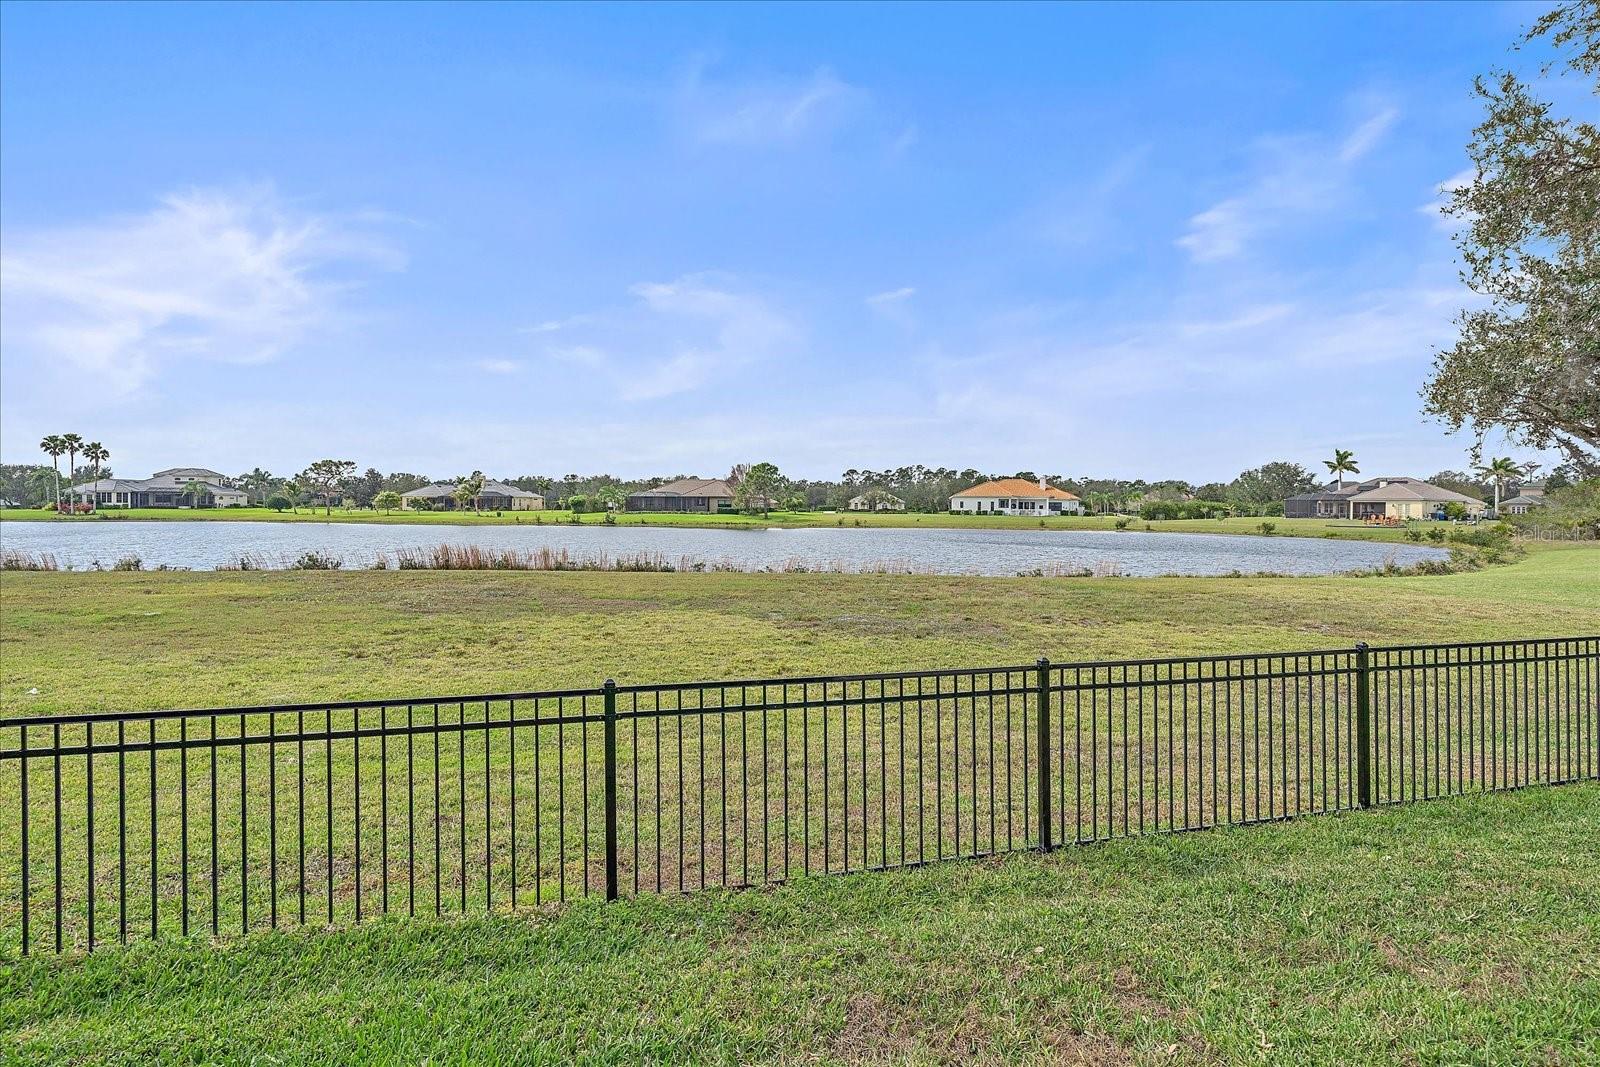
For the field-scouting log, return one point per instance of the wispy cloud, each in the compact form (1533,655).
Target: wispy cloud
(892,296)
(1443,194)
(236,276)
(770,111)
(678,336)
(499,366)
(1293,177)
(1365,137)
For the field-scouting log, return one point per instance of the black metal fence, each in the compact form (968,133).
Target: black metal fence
(239,819)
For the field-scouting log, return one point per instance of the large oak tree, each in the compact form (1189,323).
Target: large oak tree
(1527,360)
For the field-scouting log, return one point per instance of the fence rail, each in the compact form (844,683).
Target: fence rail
(237,819)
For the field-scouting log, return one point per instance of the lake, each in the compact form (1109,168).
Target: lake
(207,545)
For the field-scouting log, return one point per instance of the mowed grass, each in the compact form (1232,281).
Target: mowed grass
(1452,931)
(1335,528)
(136,641)
(1458,931)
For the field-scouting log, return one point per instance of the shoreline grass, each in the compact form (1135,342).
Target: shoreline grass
(139,640)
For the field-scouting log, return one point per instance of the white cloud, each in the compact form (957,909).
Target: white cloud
(234,276)
(1435,208)
(892,296)
(499,366)
(1219,232)
(904,141)
(678,337)
(1365,137)
(768,112)
(1294,178)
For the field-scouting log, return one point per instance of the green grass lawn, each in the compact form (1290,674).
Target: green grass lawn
(1185,948)
(1297,527)
(131,641)
(1458,931)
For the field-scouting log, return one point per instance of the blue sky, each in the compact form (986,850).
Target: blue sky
(1139,241)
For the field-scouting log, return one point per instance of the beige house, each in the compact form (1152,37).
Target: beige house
(495,496)
(876,500)
(1015,496)
(1528,497)
(163,489)
(1380,498)
(708,495)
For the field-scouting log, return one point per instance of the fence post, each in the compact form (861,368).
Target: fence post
(610,689)
(1363,727)
(1045,842)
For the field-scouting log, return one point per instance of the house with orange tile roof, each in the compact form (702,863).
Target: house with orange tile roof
(1015,496)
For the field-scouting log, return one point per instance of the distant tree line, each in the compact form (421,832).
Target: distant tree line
(760,487)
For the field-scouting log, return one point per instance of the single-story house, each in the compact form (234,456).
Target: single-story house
(709,495)
(876,500)
(1381,498)
(494,496)
(163,489)
(1528,497)
(1015,496)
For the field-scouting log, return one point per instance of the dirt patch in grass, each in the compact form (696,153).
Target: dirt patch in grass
(1133,1001)
(873,1032)
(1068,1047)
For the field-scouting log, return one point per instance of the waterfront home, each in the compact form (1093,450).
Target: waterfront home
(494,496)
(1379,498)
(1015,496)
(163,489)
(1528,497)
(699,495)
(876,500)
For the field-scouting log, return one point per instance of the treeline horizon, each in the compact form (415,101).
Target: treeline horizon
(1257,491)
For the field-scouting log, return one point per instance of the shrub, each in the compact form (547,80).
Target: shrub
(278,502)
(1436,534)
(316,561)
(1123,523)
(129,562)
(1413,534)
(1267,528)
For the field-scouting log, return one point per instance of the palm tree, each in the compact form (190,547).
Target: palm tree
(74,445)
(291,490)
(1497,471)
(194,489)
(1342,463)
(55,446)
(96,453)
(257,482)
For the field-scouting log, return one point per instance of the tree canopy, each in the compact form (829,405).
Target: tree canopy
(1527,358)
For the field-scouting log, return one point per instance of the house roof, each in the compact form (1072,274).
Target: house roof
(709,487)
(1410,489)
(188,473)
(167,480)
(1535,500)
(439,490)
(1378,490)
(1018,487)
(882,494)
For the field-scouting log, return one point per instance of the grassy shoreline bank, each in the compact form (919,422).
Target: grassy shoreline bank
(108,640)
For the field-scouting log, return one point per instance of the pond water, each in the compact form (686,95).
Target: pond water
(207,545)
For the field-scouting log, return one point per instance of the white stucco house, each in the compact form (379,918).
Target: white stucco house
(1015,496)
(163,489)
